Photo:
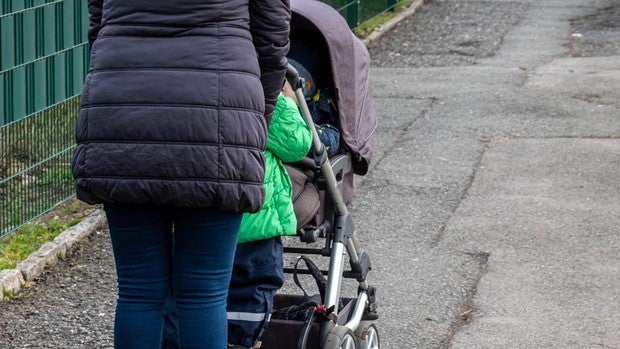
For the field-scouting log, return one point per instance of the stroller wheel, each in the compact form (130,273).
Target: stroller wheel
(367,336)
(341,337)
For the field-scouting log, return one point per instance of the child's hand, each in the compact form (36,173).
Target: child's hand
(287,90)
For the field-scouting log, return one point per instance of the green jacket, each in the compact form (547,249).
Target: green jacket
(288,140)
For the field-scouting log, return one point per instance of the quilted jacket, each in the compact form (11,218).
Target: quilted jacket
(289,140)
(176,104)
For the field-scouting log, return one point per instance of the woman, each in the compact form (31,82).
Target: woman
(171,134)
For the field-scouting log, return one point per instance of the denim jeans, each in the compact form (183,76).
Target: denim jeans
(198,267)
(257,275)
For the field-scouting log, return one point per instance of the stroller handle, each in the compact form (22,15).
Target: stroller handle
(293,77)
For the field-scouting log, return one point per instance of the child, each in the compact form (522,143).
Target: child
(322,109)
(258,270)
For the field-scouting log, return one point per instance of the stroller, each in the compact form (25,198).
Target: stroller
(322,41)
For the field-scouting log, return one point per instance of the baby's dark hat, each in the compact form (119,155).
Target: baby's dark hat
(309,87)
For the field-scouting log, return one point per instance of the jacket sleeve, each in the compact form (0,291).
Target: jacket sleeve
(270,26)
(288,137)
(94,19)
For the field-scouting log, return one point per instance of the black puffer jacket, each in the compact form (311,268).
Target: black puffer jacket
(175,106)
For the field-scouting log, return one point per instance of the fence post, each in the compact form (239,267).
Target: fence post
(352,13)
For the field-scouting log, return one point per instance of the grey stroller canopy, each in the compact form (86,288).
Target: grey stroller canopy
(321,25)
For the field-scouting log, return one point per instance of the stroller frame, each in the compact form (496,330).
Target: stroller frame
(351,326)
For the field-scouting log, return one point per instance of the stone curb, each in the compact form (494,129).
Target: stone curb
(384,28)
(12,280)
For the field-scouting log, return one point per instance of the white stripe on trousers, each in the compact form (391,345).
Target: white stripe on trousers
(240,316)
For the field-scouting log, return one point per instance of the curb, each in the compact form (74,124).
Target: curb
(384,28)
(28,270)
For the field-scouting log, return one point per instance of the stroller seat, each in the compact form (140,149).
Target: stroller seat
(308,193)
(306,199)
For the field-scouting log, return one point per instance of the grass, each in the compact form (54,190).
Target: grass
(368,26)
(7,294)
(15,247)
(57,177)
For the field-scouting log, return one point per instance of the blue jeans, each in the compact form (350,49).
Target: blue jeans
(170,337)
(257,275)
(198,267)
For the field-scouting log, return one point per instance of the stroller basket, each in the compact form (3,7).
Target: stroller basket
(293,333)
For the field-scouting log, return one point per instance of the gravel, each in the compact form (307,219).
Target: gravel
(447,34)
(596,35)
(70,306)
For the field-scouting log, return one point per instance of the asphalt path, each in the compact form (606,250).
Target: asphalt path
(492,208)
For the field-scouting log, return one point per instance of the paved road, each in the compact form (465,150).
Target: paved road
(498,180)
(493,205)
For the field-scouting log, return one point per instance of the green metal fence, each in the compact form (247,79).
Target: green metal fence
(43,62)
(360,11)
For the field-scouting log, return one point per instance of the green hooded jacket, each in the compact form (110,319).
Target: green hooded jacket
(288,140)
